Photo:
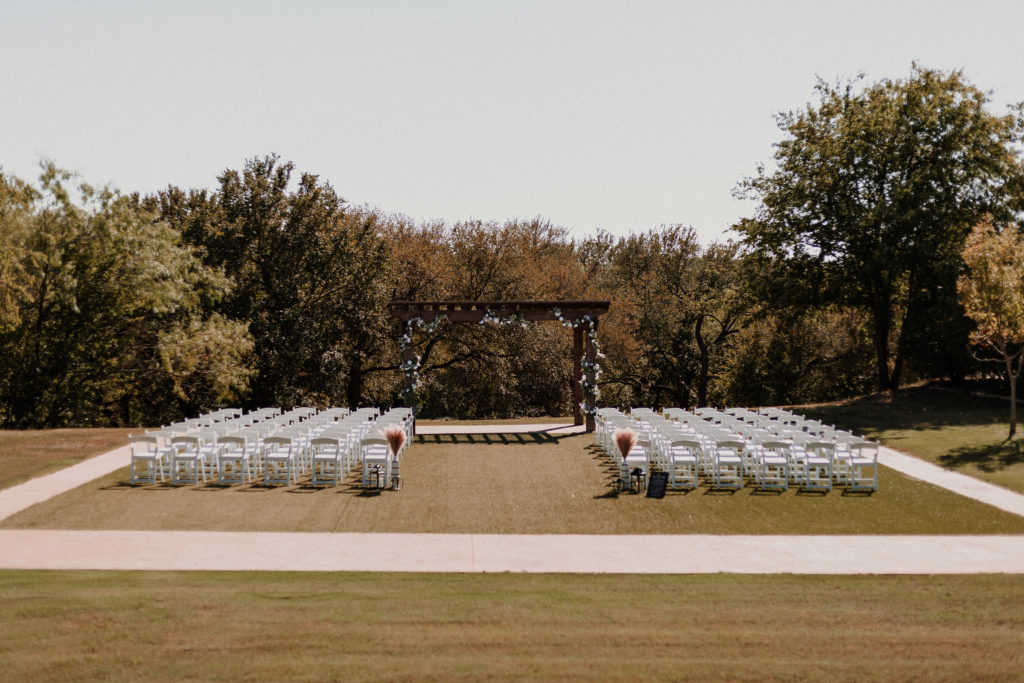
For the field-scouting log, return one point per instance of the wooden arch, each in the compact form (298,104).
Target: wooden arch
(531,311)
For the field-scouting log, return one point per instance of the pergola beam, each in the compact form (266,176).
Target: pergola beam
(474,311)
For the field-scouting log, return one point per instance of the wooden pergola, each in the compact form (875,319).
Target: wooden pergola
(530,311)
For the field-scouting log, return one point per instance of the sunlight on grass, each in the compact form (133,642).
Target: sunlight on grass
(953,429)
(514,484)
(231,625)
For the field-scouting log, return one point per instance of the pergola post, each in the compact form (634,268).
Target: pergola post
(591,379)
(577,375)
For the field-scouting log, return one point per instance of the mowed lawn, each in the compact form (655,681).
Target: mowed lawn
(950,428)
(166,626)
(515,484)
(35,452)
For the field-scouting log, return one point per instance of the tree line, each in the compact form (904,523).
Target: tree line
(271,289)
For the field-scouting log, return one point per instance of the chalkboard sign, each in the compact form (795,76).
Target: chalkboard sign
(657,484)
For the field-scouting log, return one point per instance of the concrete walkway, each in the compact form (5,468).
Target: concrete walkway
(22,496)
(697,554)
(916,468)
(34,549)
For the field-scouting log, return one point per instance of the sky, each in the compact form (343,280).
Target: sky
(621,115)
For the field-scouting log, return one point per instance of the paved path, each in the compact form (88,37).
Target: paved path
(697,554)
(997,496)
(22,496)
(492,553)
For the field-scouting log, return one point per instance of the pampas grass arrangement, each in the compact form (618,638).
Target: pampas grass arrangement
(396,438)
(625,439)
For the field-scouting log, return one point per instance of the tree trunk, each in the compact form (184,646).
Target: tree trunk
(1012,376)
(704,364)
(354,390)
(881,318)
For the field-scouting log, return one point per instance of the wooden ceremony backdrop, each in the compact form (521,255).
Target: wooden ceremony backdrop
(531,311)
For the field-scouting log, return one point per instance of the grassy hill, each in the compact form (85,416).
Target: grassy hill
(955,429)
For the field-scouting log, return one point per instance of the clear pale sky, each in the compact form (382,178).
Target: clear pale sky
(615,115)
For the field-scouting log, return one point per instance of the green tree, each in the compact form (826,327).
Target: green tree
(992,293)
(873,193)
(96,284)
(680,306)
(309,277)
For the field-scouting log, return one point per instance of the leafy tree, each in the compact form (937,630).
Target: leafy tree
(992,293)
(308,277)
(96,284)
(873,194)
(796,356)
(681,307)
(487,370)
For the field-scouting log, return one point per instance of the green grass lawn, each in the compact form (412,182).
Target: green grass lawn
(170,626)
(514,484)
(954,429)
(167,626)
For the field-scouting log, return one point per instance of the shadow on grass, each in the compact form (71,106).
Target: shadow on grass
(511,439)
(987,458)
(916,408)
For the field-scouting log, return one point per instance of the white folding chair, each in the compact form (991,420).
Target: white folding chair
(728,465)
(327,458)
(863,466)
(683,461)
(234,460)
(187,460)
(278,460)
(819,459)
(376,457)
(147,459)
(773,466)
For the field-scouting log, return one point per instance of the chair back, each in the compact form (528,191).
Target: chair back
(143,442)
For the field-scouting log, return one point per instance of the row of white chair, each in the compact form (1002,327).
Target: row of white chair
(191,450)
(275,448)
(728,450)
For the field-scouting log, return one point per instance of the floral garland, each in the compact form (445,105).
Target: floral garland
(514,319)
(411,367)
(591,392)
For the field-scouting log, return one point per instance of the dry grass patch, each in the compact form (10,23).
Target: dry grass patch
(35,452)
(516,484)
(269,626)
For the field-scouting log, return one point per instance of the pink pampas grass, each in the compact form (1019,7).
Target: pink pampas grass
(625,439)
(396,438)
